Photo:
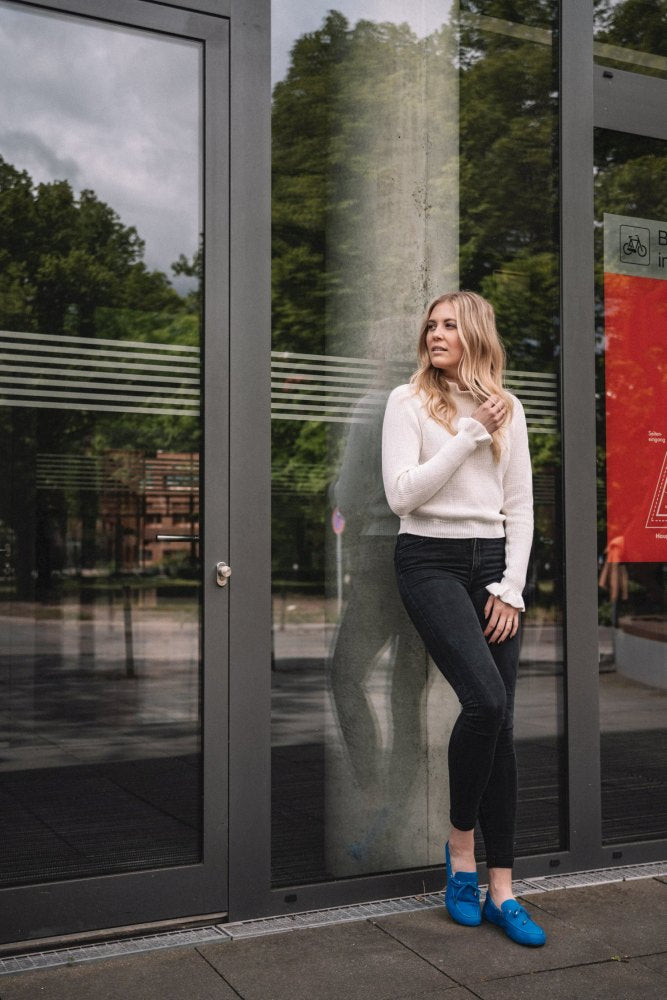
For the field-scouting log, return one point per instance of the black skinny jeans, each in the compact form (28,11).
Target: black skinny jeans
(442,583)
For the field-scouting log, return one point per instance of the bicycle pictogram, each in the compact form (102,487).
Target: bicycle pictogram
(635,245)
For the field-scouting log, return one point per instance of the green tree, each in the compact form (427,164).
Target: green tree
(70,267)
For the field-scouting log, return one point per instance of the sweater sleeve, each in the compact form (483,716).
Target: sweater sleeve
(518,510)
(407,483)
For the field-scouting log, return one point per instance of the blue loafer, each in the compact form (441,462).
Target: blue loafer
(462,895)
(514,920)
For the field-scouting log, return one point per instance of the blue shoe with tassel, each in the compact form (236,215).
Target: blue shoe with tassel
(462,895)
(515,921)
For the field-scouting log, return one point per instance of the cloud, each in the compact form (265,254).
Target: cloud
(112,109)
(31,153)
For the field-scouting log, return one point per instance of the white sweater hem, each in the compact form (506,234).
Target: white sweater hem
(437,527)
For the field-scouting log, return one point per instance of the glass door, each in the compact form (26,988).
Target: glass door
(103,598)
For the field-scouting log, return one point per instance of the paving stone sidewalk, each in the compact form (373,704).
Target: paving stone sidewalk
(604,942)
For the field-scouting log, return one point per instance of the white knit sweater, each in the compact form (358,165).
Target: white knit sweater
(448,486)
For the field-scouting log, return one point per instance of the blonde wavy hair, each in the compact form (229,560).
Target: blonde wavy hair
(481,369)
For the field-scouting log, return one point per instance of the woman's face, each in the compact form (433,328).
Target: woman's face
(442,340)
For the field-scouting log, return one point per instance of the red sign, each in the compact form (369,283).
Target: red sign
(636,409)
(337,522)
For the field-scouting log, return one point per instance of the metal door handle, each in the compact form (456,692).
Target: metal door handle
(177,538)
(222,574)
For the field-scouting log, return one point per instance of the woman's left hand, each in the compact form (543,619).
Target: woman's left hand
(503,619)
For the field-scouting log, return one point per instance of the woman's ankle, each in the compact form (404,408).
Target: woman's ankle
(461,840)
(500,885)
(462,849)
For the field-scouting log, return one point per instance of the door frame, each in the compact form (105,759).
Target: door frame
(632,103)
(82,905)
(592,96)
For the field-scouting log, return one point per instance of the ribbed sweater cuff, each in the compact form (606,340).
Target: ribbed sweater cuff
(474,429)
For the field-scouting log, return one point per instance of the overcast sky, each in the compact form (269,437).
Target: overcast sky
(292,18)
(110,109)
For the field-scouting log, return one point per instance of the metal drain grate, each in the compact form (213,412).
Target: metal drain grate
(110,949)
(313,918)
(599,877)
(339,915)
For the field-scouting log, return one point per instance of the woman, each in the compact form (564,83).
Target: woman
(456,469)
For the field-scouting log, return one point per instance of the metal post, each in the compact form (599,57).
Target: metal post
(579,433)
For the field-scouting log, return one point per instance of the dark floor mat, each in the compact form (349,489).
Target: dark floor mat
(634,798)
(97,819)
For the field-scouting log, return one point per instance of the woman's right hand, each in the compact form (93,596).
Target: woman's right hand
(491,413)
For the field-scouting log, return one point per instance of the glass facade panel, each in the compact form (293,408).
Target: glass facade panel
(414,152)
(631,285)
(100,433)
(632,35)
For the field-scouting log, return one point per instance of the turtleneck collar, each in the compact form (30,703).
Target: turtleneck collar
(455,387)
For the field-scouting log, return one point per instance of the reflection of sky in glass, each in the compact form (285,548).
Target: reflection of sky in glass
(110,109)
(290,19)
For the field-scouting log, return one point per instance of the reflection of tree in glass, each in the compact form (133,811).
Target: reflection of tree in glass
(509,180)
(638,25)
(70,267)
(61,258)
